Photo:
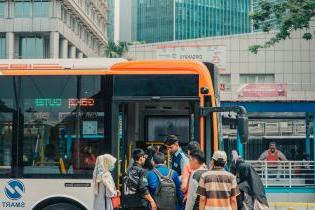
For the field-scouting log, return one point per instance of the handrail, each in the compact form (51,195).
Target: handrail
(285,173)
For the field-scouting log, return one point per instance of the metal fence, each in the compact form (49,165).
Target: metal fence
(285,173)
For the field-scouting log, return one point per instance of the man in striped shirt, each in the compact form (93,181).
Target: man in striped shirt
(217,187)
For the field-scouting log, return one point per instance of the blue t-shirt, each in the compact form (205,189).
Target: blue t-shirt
(153,183)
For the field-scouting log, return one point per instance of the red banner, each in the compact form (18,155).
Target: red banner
(263,90)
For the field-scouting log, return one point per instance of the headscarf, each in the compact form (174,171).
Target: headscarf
(235,164)
(250,182)
(101,173)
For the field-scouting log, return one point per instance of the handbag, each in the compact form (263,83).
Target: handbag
(259,206)
(116,202)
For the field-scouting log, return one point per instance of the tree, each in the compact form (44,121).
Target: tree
(115,49)
(283,17)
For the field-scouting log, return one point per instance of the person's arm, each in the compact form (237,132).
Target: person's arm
(151,186)
(143,185)
(183,162)
(239,200)
(233,202)
(248,201)
(109,185)
(234,192)
(185,177)
(202,203)
(263,156)
(179,193)
(202,192)
(149,198)
(282,156)
(192,195)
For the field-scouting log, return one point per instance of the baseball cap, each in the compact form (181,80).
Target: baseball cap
(219,156)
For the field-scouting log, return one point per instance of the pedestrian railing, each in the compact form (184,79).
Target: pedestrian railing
(285,173)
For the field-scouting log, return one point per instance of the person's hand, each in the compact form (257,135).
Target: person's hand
(153,206)
(184,189)
(184,199)
(118,193)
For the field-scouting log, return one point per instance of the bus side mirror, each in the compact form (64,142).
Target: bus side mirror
(242,128)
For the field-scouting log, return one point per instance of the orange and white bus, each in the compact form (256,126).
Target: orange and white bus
(56,116)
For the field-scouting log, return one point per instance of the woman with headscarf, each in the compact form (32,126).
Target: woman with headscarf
(104,185)
(251,187)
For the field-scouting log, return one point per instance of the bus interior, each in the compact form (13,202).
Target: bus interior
(148,123)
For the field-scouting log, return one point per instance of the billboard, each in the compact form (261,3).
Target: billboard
(262,90)
(215,54)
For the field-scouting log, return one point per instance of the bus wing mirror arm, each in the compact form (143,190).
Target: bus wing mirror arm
(242,118)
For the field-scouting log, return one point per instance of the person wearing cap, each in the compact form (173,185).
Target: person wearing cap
(179,158)
(217,187)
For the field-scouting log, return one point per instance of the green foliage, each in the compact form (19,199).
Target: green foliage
(283,17)
(115,49)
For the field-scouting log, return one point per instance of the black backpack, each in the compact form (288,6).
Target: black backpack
(165,195)
(131,180)
(130,198)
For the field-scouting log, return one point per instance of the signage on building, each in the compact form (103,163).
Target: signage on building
(262,90)
(215,54)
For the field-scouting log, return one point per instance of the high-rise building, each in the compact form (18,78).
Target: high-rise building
(111,19)
(119,20)
(52,28)
(165,20)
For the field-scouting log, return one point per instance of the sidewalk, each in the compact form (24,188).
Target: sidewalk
(291,206)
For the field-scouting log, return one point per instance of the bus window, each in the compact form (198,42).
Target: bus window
(63,124)
(5,142)
(6,125)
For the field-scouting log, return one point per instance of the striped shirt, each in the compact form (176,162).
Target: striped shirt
(217,186)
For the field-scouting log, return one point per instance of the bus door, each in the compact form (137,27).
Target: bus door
(139,124)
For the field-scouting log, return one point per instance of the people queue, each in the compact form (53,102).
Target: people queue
(188,184)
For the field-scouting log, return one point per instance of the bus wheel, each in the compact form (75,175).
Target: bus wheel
(62,206)
(59,203)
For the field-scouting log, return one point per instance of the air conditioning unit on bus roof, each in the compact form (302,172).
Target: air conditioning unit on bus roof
(58,64)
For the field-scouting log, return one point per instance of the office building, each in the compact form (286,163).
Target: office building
(52,28)
(166,20)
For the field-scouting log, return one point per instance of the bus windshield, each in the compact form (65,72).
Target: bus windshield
(60,123)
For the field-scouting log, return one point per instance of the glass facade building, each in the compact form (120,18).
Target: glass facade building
(161,20)
(111,17)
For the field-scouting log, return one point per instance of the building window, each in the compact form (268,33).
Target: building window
(257,78)
(225,82)
(2,8)
(33,47)
(2,47)
(40,8)
(22,8)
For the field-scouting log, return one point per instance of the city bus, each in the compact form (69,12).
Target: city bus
(57,115)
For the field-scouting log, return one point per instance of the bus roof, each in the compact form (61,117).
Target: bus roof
(99,66)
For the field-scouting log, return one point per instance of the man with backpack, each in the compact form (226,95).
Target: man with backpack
(136,194)
(164,185)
